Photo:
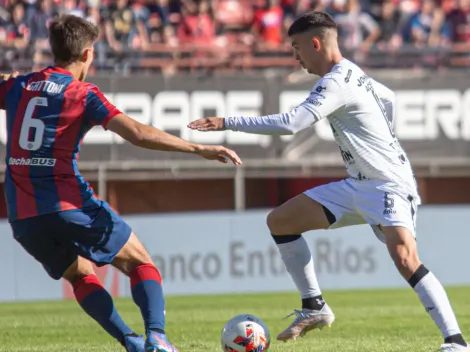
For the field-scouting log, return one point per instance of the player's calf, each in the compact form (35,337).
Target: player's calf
(97,302)
(402,248)
(286,224)
(146,287)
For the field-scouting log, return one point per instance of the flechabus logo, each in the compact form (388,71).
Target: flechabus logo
(32,162)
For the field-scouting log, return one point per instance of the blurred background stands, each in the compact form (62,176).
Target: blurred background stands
(227,36)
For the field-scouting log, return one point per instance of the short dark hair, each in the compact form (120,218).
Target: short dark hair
(311,20)
(69,35)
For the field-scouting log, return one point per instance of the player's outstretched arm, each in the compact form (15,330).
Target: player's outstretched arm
(6,82)
(278,124)
(7,76)
(325,98)
(149,137)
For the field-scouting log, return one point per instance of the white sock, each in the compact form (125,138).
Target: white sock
(299,263)
(434,299)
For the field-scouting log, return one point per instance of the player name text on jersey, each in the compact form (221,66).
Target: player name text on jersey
(45,86)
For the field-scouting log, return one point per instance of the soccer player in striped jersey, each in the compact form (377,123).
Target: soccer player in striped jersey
(52,210)
(381,189)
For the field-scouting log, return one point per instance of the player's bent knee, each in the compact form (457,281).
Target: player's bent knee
(78,270)
(280,223)
(132,255)
(272,221)
(296,216)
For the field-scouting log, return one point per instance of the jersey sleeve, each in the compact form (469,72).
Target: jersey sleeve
(98,109)
(324,99)
(4,87)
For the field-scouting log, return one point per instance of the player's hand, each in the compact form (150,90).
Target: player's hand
(7,76)
(219,153)
(208,124)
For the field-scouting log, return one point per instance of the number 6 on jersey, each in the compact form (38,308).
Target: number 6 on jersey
(29,122)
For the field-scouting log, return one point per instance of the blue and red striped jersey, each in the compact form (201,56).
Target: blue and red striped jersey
(48,114)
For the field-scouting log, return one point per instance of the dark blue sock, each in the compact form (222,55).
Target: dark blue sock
(147,292)
(98,303)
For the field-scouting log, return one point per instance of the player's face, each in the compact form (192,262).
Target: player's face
(306,51)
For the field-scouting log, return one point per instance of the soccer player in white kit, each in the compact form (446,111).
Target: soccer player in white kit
(381,189)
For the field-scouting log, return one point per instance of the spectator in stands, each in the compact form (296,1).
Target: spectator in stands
(40,19)
(289,7)
(429,26)
(93,3)
(389,19)
(407,9)
(174,10)
(268,24)
(18,32)
(156,27)
(124,31)
(197,25)
(295,8)
(459,21)
(92,14)
(159,21)
(233,20)
(227,29)
(159,13)
(357,29)
(71,7)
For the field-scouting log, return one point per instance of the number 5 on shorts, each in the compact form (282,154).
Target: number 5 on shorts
(29,122)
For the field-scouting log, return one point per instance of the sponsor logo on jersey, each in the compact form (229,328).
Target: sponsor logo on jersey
(361,80)
(49,162)
(348,76)
(389,204)
(314,102)
(360,177)
(347,156)
(320,89)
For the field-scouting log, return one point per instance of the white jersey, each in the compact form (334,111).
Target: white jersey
(360,111)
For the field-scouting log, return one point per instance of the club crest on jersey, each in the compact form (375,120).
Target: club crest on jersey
(389,204)
(320,89)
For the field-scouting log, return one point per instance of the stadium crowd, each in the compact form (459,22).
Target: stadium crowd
(174,34)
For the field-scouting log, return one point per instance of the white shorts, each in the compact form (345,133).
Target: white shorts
(374,202)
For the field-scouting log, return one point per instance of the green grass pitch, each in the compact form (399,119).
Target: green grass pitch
(372,321)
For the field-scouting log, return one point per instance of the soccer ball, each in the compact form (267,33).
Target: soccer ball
(245,333)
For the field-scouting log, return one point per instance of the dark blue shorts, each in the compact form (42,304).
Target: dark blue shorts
(57,239)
